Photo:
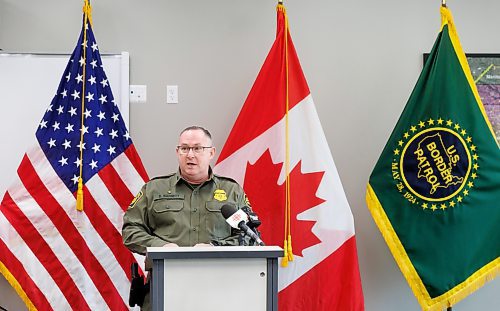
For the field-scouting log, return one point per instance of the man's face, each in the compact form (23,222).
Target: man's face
(194,166)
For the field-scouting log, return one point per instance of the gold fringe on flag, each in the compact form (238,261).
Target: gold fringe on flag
(17,287)
(453,296)
(447,19)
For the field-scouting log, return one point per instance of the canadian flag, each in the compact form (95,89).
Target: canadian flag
(277,150)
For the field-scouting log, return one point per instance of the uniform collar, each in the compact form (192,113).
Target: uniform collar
(179,177)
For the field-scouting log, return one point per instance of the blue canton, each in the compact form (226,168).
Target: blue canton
(105,135)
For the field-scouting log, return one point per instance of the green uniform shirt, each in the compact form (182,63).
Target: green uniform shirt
(170,210)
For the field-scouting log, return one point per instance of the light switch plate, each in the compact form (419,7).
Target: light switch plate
(172,94)
(138,94)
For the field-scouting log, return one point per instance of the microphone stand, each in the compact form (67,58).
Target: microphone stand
(257,232)
(241,239)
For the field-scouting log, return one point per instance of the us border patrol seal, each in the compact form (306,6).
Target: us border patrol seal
(435,164)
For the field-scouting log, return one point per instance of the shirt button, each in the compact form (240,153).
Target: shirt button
(194,229)
(195,210)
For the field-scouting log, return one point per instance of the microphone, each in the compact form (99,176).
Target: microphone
(237,219)
(253,219)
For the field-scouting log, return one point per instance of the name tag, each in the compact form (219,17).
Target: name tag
(171,196)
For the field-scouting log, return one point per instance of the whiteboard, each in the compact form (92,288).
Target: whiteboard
(28,82)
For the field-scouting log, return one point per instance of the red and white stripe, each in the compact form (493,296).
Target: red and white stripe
(64,259)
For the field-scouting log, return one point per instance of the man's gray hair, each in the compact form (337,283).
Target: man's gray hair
(196,127)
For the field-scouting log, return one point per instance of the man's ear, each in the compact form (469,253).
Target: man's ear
(212,152)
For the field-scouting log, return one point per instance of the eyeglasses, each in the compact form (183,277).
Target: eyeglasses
(196,149)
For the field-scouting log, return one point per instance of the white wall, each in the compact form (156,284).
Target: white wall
(361,59)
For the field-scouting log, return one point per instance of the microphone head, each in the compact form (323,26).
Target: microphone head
(227,210)
(234,217)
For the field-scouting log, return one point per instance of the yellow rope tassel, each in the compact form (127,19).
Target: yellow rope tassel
(287,245)
(284,260)
(79,195)
(280,7)
(289,248)
(87,10)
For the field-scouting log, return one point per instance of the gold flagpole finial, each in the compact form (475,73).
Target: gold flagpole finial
(87,10)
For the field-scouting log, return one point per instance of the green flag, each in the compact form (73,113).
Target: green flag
(435,190)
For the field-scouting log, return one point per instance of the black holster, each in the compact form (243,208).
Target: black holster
(138,289)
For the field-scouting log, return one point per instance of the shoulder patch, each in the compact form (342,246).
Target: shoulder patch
(247,201)
(136,198)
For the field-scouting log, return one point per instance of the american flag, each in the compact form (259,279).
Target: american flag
(55,257)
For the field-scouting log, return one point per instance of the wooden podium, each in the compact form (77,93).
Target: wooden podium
(214,278)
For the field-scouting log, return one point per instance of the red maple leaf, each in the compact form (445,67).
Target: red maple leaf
(268,201)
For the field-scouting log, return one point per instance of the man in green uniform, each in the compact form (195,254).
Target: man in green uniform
(184,208)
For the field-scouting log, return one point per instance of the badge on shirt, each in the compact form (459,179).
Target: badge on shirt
(220,195)
(137,197)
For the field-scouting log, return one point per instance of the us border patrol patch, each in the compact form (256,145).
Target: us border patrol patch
(435,164)
(134,201)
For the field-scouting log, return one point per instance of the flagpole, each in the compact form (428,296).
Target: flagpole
(443,4)
(87,13)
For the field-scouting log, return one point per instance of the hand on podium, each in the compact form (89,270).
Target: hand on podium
(202,244)
(170,245)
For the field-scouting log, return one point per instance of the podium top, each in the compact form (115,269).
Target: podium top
(214,252)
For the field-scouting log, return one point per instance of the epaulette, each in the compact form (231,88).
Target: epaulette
(225,177)
(161,177)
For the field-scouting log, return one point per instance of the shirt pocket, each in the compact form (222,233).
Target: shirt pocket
(216,225)
(167,217)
